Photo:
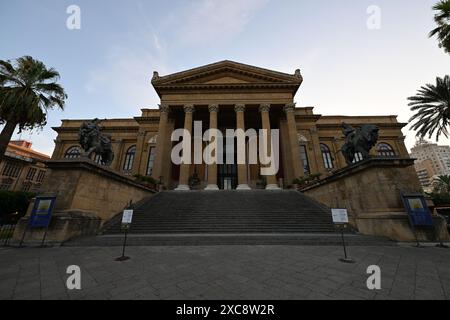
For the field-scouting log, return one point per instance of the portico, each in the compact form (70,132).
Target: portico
(224,174)
(227,95)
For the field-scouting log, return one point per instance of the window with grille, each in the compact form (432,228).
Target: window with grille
(385,150)
(327,157)
(358,157)
(41,176)
(98,159)
(6,184)
(151,161)
(31,173)
(304,157)
(26,186)
(12,170)
(129,159)
(73,153)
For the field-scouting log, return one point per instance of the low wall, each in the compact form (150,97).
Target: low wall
(88,195)
(371,190)
(82,185)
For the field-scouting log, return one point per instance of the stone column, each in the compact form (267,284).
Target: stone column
(161,144)
(272,183)
(139,151)
(118,155)
(293,141)
(242,168)
(212,168)
(183,184)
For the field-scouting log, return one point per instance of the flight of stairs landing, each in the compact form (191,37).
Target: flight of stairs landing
(227,217)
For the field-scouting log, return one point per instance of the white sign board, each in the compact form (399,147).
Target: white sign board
(127,216)
(340,216)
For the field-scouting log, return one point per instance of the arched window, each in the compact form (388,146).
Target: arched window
(151,161)
(72,153)
(327,157)
(305,161)
(129,159)
(98,159)
(385,150)
(358,157)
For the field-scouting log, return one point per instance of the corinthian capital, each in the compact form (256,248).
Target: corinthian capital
(265,107)
(290,107)
(164,108)
(189,108)
(239,108)
(213,108)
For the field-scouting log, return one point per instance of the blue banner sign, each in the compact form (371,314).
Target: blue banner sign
(418,211)
(42,212)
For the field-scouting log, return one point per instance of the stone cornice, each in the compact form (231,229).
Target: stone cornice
(76,130)
(147,119)
(307,118)
(218,87)
(381,125)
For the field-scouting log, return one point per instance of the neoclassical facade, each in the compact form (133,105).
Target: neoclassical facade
(230,95)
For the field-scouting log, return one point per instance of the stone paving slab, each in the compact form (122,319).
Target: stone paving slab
(225,272)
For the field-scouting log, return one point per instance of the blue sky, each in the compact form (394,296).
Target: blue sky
(106,66)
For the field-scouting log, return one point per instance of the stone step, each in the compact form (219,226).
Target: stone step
(299,239)
(228,212)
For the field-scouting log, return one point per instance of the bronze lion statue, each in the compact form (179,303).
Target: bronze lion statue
(359,141)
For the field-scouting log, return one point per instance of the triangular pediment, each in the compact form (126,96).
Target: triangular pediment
(226,73)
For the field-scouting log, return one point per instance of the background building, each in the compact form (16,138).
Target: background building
(23,169)
(432,161)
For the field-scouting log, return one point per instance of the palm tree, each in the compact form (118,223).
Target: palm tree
(442,185)
(432,104)
(442,19)
(27,91)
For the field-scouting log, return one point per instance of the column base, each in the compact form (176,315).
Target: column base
(183,187)
(212,187)
(243,187)
(272,187)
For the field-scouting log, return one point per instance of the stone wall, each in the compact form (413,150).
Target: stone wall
(371,191)
(84,186)
(88,195)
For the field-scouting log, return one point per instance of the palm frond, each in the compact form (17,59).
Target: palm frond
(432,107)
(28,90)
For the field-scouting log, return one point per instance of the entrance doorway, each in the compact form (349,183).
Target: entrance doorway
(227,176)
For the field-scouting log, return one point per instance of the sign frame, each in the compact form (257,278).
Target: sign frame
(340,216)
(420,216)
(42,212)
(127,219)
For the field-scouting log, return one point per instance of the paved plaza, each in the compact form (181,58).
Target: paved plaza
(225,272)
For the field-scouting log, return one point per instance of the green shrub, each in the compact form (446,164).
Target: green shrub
(440,199)
(146,180)
(12,202)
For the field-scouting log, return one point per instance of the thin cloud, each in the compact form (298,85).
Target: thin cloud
(207,20)
(126,76)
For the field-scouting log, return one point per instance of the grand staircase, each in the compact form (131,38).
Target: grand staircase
(227,217)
